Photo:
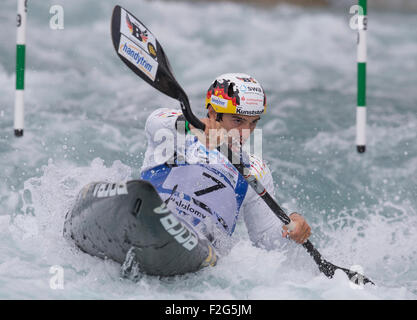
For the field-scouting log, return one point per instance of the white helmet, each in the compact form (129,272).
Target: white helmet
(236,93)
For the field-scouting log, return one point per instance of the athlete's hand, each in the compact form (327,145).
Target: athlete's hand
(302,230)
(213,135)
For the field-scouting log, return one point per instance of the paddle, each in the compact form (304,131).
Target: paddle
(142,53)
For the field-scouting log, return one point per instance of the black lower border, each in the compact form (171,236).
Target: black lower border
(210,309)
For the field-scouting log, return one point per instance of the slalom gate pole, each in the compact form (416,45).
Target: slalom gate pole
(361,59)
(20,67)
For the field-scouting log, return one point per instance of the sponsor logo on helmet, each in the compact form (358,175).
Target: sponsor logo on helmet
(219,101)
(250,79)
(250,89)
(254,101)
(254,89)
(243,88)
(248,112)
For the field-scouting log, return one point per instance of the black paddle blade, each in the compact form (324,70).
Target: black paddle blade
(329,269)
(138,48)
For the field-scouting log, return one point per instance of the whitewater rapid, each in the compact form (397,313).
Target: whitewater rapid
(85,115)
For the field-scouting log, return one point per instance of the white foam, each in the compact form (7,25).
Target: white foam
(81,96)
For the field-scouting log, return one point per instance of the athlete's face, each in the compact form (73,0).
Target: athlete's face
(237,124)
(243,124)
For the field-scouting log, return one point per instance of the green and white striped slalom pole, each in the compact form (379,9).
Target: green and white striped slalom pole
(362,57)
(20,67)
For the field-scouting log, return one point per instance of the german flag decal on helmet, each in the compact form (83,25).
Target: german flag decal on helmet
(236,93)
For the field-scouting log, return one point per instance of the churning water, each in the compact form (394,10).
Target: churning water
(85,115)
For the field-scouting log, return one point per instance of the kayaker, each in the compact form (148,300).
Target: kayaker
(199,184)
